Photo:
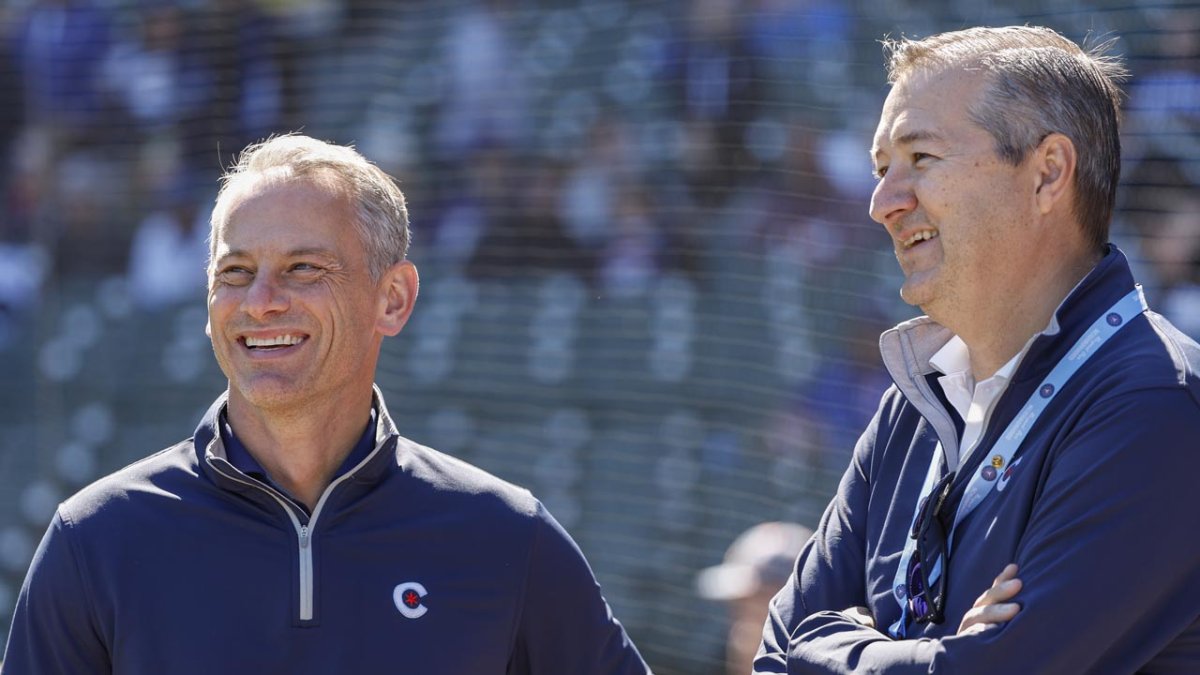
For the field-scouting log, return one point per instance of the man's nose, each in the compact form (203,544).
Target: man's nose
(264,297)
(893,197)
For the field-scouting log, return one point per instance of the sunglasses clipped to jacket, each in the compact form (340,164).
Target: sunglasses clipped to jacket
(927,568)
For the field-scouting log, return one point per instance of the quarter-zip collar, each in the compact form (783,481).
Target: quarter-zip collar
(241,459)
(208,445)
(907,348)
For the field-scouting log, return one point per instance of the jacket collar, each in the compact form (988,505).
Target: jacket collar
(213,460)
(907,348)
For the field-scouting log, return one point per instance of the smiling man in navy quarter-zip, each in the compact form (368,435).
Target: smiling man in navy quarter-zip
(1024,499)
(297,532)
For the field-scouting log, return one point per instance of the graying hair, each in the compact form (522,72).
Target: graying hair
(381,214)
(1039,83)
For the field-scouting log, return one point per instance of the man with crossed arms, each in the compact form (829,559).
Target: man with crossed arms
(1043,422)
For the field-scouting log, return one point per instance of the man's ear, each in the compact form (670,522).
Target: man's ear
(398,290)
(1054,172)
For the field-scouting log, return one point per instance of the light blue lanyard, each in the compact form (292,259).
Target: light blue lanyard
(1006,446)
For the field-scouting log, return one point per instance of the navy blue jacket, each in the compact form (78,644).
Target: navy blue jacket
(412,562)
(1099,512)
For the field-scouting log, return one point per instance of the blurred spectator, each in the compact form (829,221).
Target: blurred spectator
(717,84)
(486,97)
(1163,110)
(639,247)
(23,268)
(156,76)
(1173,251)
(756,565)
(244,101)
(589,196)
(1159,216)
(61,47)
(631,260)
(12,113)
(303,29)
(804,46)
(530,238)
(170,247)
(799,201)
(82,215)
(480,195)
(844,391)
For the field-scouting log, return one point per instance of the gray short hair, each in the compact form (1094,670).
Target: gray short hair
(382,217)
(1039,83)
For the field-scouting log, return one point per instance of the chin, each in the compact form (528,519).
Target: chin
(913,296)
(920,289)
(269,395)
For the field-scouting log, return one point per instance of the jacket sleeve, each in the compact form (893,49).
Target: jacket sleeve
(1110,565)
(565,624)
(53,628)
(830,570)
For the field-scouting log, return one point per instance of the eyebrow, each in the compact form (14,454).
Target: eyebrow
(294,253)
(910,138)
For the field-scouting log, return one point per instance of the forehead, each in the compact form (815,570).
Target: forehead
(270,212)
(930,104)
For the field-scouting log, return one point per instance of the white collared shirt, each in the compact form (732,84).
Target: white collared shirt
(974,402)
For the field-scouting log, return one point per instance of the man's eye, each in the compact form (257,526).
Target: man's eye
(918,156)
(235,275)
(879,172)
(305,267)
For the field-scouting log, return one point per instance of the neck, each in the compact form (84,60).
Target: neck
(1001,328)
(300,450)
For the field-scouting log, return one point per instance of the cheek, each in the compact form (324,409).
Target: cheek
(964,207)
(943,196)
(349,316)
(221,304)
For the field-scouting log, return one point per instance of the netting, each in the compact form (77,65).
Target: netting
(651,292)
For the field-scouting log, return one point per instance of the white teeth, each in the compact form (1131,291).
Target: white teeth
(920,236)
(273,341)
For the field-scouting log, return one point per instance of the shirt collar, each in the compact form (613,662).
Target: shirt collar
(243,461)
(953,358)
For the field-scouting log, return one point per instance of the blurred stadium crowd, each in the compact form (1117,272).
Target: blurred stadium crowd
(652,293)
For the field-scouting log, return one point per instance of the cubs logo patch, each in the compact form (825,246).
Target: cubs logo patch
(408,597)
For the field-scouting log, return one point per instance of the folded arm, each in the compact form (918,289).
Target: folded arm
(1100,555)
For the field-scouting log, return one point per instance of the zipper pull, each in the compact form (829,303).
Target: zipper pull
(303,536)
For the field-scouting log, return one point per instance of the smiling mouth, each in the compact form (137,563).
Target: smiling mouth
(269,344)
(918,237)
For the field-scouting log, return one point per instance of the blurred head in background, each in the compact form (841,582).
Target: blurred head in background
(756,565)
